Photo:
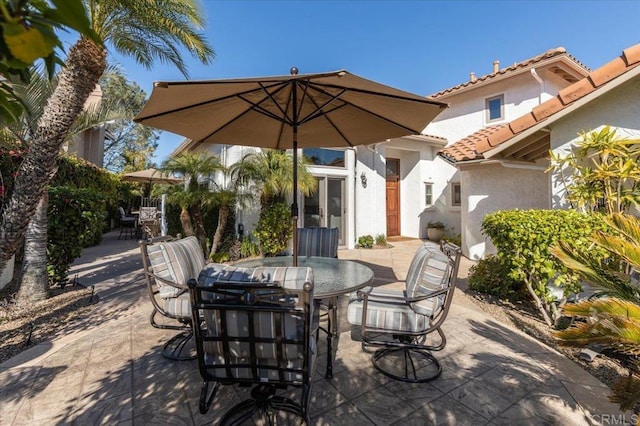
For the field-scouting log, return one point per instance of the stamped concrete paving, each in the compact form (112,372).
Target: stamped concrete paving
(107,369)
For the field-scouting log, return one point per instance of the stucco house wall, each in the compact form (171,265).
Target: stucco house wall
(467,113)
(492,187)
(619,108)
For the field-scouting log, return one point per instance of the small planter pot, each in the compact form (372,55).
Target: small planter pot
(435,234)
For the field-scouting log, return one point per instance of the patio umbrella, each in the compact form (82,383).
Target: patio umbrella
(294,111)
(150,176)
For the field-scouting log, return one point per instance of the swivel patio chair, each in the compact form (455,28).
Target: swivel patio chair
(256,327)
(399,324)
(127,224)
(168,264)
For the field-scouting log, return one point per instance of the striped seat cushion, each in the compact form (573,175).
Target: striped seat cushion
(322,242)
(393,316)
(176,261)
(433,275)
(179,306)
(264,323)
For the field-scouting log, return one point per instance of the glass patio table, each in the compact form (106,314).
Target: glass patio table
(331,278)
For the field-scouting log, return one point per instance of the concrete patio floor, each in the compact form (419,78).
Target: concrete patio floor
(107,369)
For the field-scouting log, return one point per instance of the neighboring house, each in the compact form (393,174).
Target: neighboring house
(90,144)
(503,167)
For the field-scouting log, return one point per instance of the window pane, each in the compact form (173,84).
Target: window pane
(392,167)
(456,194)
(325,157)
(428,194)
(494,108)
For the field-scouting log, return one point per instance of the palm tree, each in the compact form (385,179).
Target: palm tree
(228,191)
(271,171)
(133,28)
(613,319)
(197,169)
(34,281)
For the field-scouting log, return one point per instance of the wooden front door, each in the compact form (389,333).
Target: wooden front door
(393,197)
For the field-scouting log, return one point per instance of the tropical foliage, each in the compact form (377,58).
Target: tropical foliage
(146,31)
(602,173)
(198,171)
(27,33)
(270,173)
(612,319)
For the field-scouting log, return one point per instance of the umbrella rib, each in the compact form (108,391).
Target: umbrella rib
(207,102)
(424,100)
(395,123)
(324,114)
(253,107)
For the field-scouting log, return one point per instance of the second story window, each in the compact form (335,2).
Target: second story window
(495,108)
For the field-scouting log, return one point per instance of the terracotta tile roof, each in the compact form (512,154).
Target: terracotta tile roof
(559,51)
(465,149)
(482,141)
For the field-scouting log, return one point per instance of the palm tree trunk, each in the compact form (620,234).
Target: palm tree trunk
(223,215)
(84,65)
(185,220)
(34,284)
(198,223)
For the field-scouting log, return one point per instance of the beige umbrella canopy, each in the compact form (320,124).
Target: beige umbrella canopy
(333,109)
(150,176)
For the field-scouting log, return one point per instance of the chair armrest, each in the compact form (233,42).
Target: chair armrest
(183,289)
(390,299)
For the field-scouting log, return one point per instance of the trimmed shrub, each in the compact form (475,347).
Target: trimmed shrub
(273,230)
(523,239)
(491,276)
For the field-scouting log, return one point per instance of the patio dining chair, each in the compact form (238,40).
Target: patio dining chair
(148,221)
(399,324)
(256,327)
(322,242)
(127,224)
(168,264)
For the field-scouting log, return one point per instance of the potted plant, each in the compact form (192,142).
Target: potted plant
(435,231)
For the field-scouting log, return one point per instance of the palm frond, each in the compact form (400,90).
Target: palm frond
(626,392)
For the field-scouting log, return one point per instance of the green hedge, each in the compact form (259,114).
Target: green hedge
(76,217)
(523,239)
(82,200)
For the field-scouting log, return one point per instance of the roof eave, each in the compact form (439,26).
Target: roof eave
(605,88)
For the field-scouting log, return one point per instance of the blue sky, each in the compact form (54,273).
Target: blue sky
(418,46)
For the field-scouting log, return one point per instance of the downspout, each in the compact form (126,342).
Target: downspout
(540,82)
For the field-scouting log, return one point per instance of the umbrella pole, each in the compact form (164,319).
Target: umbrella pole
(294,204)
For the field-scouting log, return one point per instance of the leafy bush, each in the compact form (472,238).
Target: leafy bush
(75,220)
(220,257)
(248,248)
(523,239)
(491,276)
(274,229)
(437,225)
(366,241)
(381,240)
